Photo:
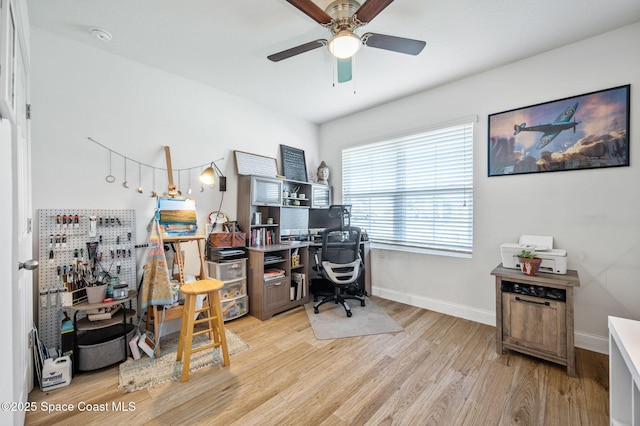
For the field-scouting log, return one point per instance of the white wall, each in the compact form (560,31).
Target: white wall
(591,213)
(79,91)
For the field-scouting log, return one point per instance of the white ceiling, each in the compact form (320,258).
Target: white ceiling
(224,44)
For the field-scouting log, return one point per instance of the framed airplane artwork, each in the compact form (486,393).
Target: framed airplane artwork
(582,132)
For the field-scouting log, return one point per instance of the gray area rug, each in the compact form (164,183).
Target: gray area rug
(333,323)
(148,372)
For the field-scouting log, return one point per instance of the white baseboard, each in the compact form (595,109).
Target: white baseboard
(582,340)
(448,308)
(591,342)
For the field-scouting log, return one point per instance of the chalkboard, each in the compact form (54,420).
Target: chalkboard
(294,166)
(252,164)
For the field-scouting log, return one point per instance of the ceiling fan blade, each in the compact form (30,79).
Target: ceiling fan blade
(312,10)
(344,70)
(370,9)
(276,57)
(395,44)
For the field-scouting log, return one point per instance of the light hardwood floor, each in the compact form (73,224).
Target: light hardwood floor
(441,370)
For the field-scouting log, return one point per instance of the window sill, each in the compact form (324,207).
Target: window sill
(391,247)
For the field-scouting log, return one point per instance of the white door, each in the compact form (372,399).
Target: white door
(7,258)
(23,222)
(17,365)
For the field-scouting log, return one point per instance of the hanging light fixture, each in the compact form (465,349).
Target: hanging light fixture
(344,44)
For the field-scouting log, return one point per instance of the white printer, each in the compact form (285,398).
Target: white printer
(553,260)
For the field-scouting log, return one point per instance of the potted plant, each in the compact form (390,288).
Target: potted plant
(529,263)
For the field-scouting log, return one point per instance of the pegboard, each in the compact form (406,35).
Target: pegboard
(64,235)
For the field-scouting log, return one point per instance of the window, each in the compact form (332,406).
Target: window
(414,191)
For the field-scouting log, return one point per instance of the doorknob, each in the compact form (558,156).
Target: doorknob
(29,265)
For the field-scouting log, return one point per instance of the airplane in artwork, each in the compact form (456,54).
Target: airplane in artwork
(551,130)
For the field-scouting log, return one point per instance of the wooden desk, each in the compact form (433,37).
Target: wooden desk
(536,325)
(365,254)
(271,296)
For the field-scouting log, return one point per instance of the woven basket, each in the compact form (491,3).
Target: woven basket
(228,239)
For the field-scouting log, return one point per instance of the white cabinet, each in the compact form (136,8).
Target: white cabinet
(624,367)
(320,196)
(266,191)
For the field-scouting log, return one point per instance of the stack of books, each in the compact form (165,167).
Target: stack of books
(270,274)
(102,313)
(298,287)
(262,237)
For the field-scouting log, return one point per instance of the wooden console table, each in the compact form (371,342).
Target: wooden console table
(534,315)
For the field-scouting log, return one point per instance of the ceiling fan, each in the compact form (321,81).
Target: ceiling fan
(343,18)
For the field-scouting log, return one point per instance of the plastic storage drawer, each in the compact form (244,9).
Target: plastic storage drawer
(233,289)
(228,271)
(234,308)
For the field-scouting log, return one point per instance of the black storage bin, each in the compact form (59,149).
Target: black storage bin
(103,347)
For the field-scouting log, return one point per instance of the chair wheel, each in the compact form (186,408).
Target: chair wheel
(349,313)
(362,303)
(316,311)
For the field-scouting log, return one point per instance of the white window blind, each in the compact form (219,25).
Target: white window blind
(414,191)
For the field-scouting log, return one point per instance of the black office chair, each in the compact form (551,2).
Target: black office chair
(340,263)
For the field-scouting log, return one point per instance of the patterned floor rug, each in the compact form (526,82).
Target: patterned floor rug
(148,372)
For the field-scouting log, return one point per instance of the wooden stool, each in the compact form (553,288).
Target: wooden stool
(213,309)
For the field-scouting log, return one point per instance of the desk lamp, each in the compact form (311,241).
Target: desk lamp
(208,176)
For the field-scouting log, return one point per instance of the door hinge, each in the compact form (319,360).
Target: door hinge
(28,111)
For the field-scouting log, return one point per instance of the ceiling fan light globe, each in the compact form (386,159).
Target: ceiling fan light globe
(344,44)
(207,176)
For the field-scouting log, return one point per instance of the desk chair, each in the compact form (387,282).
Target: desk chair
(341,265)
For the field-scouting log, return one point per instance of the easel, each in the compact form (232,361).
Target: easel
(178,260)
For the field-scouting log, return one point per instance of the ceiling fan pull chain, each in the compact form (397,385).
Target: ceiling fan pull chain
(354,67)
(334,67)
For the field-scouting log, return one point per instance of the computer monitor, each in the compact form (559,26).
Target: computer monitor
(335,216)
